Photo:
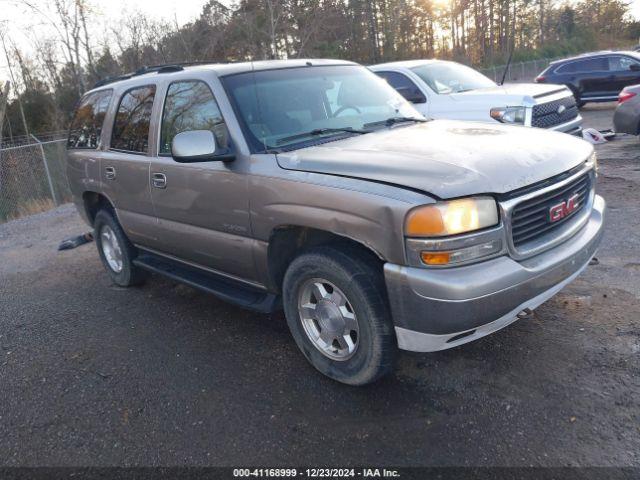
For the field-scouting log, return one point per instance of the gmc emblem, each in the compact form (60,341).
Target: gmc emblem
(563,209)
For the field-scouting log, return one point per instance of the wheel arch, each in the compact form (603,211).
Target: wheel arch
(576,94)
(93,202)
(286,242)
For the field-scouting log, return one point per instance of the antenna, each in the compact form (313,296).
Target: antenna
(507,66)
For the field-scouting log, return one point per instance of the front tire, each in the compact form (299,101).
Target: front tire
(579,102)
(116,251)
(336,307)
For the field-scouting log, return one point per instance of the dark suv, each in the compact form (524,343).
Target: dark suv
(595,77)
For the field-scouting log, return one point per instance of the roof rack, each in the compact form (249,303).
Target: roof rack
(166,68)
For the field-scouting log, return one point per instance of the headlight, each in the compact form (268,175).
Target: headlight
(508,114)
(452,217)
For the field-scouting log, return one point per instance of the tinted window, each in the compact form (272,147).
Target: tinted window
(403,85)
(618,64)
(594,65)
(567,68)
(190,106)
(131,126)
(600,64)
(86,126)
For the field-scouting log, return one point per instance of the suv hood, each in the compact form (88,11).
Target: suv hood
(446,158)
(515,92)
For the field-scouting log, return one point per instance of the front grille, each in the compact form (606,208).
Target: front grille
(531,219)
(545,115)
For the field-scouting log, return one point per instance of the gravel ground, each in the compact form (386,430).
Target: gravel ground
(92,374)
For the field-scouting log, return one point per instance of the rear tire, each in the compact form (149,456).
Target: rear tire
(336,306)
(116,251)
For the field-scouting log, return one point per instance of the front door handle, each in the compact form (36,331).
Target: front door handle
(110,173)
(159,180)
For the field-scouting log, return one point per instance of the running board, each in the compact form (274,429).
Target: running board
(227,289)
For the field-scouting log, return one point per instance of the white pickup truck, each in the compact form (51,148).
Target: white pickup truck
(449,90)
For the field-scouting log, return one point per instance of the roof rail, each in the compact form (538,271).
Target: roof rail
(168,68)
(108,80)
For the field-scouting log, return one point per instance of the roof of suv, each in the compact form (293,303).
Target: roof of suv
(221,69)
(583,56)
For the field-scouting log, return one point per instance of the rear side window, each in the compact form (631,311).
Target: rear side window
(599,64)
(86,126)
(190,105)
(594,65)
(131,125)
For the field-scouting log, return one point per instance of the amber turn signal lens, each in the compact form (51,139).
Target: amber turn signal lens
(434,258)
(425,221)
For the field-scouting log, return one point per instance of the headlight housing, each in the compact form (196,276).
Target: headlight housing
(442,234)
(515,115)
(452,217)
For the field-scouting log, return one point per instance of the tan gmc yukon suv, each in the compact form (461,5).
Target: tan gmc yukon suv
(312,186)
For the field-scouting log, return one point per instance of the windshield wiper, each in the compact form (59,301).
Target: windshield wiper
(394,120)
(320,131)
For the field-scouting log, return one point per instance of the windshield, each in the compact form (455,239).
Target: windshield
(450,77)
(280,109)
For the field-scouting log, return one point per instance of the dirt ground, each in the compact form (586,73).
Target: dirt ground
(92,374)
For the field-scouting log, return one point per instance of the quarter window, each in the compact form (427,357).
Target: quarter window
(190,105)
(86,126)
(131,126)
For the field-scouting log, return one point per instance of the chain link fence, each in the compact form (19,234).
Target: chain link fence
(32,175)
(519,72)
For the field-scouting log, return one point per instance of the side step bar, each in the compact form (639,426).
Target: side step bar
(225,288)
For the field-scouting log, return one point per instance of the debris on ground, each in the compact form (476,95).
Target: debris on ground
(74,242)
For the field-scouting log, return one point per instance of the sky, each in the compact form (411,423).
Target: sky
(18,21)
(184,10)
(635,8)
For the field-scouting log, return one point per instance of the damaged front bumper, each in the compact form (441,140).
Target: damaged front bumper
(440,309)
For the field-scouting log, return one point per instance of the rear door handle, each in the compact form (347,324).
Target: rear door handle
(110,173)
(159,180)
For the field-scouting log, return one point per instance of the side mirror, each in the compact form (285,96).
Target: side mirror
(197,146)
(634,67)
(412,95)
